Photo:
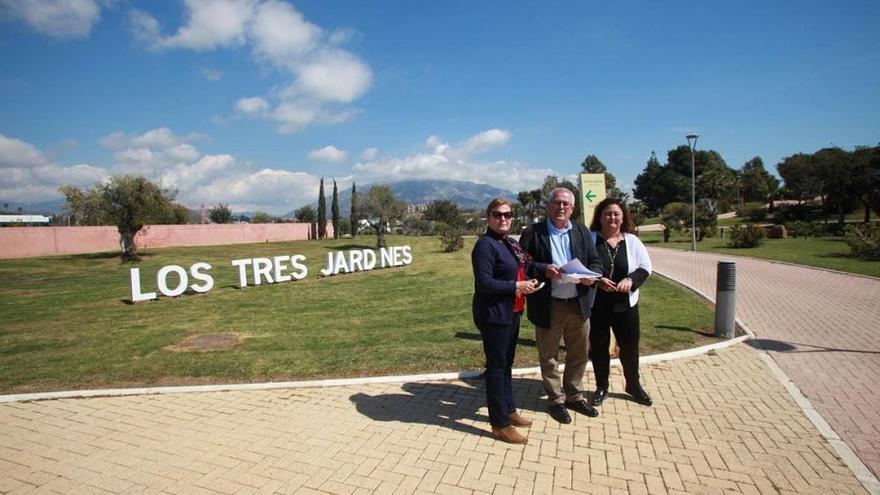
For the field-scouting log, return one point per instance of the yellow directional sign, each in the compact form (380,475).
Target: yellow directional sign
(592,192)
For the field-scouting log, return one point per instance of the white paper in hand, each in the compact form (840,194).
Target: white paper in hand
(574,271)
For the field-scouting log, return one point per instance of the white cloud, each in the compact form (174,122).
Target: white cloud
(209,24)
(455,163)
(15,153)
(369,153)
(55,18)
(323,77)
(252,107)
(281,34)
(27,175)
(330,154)
(333,75)
(341,36)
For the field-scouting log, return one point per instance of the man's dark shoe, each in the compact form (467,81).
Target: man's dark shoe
(558,412)
(639,394)
(599,396)
(582,407)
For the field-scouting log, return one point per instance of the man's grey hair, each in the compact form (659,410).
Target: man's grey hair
(556,191)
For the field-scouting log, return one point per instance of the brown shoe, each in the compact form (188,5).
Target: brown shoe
(517,420)
(508,434)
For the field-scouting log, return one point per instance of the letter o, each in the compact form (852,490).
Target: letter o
(162,279)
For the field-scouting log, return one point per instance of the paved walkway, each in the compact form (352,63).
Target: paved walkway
(721,423)
(821,327)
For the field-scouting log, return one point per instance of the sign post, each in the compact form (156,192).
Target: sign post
(592,191)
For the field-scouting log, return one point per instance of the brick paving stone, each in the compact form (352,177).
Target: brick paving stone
(822,328)
(720,423)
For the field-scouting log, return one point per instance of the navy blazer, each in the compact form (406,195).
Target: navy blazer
(495,269)
(535,240)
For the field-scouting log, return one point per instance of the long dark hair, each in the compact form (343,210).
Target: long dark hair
(627,225)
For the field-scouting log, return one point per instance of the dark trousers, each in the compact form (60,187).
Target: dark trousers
(499,344)
(626,330)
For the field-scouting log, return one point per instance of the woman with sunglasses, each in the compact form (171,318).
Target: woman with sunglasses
(500,286)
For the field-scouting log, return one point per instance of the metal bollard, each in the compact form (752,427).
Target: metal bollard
(725,300)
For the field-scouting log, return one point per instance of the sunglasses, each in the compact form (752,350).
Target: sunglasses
(502,214)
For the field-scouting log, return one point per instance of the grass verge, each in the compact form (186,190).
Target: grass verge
(822,252)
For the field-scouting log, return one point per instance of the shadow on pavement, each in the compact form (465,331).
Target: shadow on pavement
(449,405)
(793,347)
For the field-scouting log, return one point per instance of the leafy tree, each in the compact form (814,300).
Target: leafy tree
(443,210)
(261,217)
(354,208)
(306,214)
(756,184)
(658,185)
(840,187)
(334,211)
(380,207)
(74,204)
(674,217)
(220,213)
(801,176)
(133,202)
(867,171)
(322,212)
(181,215)
(592,165)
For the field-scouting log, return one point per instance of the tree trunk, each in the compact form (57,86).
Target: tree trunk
(129,250)
(380,235)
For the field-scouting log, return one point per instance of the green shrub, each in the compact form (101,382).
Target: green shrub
(800,228)
(746,236)
(791,213)
(451,240)
(753,212)
(863,240)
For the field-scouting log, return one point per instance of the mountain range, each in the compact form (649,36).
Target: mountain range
(467,195)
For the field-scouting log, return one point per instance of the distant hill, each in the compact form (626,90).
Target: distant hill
(49,208)
(467,195)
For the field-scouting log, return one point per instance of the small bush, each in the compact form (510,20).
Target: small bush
(753,212)
(804,229)
(863,240)
(451,240)
(746,236)
(792,213)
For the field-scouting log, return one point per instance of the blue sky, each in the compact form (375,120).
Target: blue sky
(250,102)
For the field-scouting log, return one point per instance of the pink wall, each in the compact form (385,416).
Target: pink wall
(26,242)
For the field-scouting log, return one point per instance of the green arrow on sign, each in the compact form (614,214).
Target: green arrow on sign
(589,196)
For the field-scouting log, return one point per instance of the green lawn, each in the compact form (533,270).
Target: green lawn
(823,252)
(68,324)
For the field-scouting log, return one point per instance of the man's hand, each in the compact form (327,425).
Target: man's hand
(553,272)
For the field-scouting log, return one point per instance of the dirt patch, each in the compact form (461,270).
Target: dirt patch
(207,342)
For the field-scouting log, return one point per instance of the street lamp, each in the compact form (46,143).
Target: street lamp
(693,147)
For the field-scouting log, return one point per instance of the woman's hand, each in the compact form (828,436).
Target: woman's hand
(527,286)
(606,285)
(624,285)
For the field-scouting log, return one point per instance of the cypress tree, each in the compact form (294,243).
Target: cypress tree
(322,212)
(354,207)
(334,211)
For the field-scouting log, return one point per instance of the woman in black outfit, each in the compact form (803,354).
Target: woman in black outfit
(626,266)
(500,286)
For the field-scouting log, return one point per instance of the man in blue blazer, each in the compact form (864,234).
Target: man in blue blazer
(561,310)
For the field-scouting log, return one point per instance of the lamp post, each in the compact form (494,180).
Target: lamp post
(693,147)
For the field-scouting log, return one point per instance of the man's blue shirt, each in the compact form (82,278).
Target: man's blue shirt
(560,249)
